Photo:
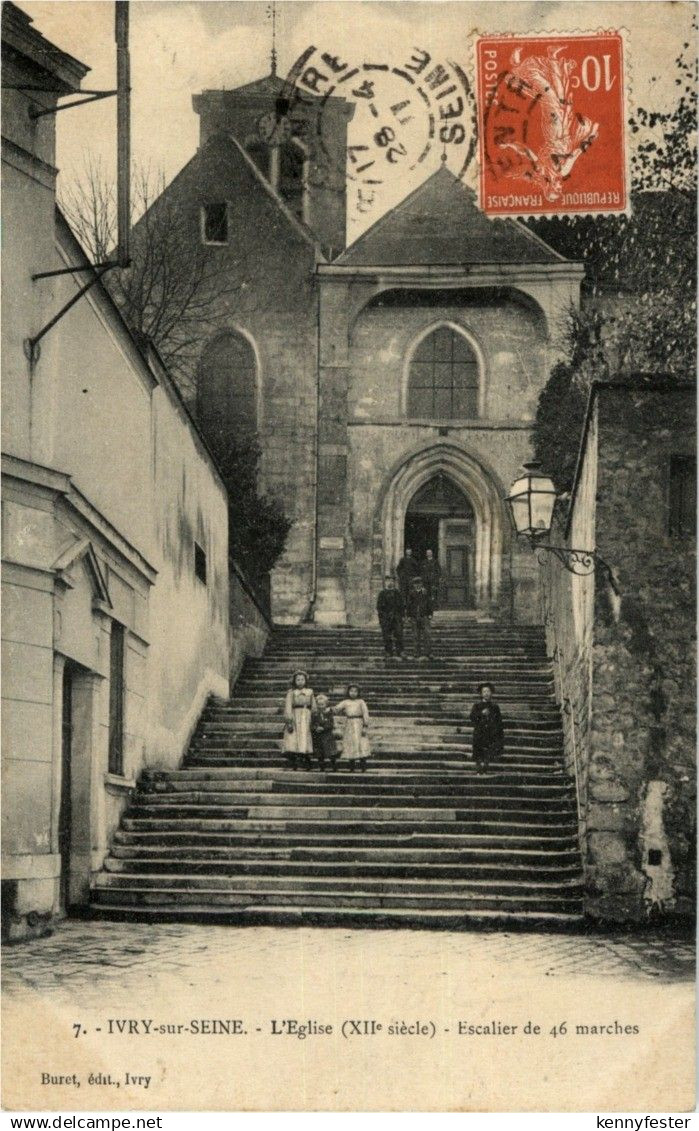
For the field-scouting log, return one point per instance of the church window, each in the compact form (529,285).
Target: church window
(215,223)
(443,378)
(292,176)
(227,390)
(683,497)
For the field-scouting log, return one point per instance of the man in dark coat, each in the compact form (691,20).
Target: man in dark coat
(389,606)
(432,577)
(407,570)
(420,612)
(488,731)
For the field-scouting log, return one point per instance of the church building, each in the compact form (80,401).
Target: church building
(392,383)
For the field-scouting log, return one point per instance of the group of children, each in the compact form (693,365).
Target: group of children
(309,728)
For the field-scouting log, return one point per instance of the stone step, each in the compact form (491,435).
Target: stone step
(420,839)
(335,899)
(362,841)
(268,873)
(359,918)
(507,794)
(314,855)
(552,813)
(382,763)
(322,786)
(499,826)
(205,778)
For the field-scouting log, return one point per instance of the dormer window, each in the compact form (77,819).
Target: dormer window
(215,223)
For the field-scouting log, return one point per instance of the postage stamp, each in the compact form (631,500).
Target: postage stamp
(401,112)
(551,124)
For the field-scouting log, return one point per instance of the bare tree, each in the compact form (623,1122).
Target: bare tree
(174,291)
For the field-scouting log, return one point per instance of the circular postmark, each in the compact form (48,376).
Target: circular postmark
(396,116)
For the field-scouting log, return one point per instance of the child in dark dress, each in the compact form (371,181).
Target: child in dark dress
(324,744)
(488,731)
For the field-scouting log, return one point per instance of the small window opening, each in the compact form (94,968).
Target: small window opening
(200,563)
(216,223)
(116,700)
(683,497)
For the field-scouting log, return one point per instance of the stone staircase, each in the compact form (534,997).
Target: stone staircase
(420,840)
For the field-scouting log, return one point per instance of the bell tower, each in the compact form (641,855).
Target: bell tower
(298,142)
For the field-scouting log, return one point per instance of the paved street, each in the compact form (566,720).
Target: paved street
(83,960)
(505,1011)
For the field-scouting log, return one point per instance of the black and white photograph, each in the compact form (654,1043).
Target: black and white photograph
(349,531)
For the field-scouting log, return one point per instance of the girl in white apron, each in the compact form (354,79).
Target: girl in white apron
(355,736)
(298,705)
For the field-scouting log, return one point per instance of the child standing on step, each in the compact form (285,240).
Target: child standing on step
(323,732)
(298,705)
(355,732)
(488,731)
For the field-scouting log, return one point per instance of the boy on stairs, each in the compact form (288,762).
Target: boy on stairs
(322,730)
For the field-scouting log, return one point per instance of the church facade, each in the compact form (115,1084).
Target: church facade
(392,383)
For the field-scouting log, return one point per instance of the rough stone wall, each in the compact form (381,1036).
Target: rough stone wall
(568,614)
(642,846)
(625,657)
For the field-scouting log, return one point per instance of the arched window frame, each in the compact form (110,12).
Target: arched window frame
(473,343)
(218,336)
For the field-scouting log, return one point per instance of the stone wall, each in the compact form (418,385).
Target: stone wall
(250,627)
(265,289)
(636,744)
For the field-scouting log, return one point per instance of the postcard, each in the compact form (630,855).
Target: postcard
(349,531)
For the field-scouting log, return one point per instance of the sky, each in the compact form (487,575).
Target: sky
(179,47)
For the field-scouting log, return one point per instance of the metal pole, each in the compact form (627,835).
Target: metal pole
(121,34)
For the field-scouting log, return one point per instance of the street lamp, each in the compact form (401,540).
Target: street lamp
(531,499)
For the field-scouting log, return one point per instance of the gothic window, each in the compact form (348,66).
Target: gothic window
(227,390)
(683,497)
(291,176)
(215,223)
(443,378)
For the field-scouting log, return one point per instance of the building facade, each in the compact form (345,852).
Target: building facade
(624,645)
(115,533)
(392,383)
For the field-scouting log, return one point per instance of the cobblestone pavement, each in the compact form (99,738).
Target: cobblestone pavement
(85,960)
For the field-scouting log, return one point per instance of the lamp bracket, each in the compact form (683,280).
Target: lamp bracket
(583,563)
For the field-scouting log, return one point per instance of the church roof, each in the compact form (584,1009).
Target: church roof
(266,86)
(440,224)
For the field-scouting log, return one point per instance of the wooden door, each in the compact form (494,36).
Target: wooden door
(456,565)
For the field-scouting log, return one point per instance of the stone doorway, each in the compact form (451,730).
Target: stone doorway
(440,518)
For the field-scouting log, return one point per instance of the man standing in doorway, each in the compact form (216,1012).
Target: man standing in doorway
(432,577)
(420,612)
(389,606)
(407,569)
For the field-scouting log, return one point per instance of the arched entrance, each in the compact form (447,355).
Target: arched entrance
(447,484)
(440,518)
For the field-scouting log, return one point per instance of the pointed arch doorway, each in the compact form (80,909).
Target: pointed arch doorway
(470,520)
(440,518)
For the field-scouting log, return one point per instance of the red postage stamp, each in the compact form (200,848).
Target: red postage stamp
(551,124)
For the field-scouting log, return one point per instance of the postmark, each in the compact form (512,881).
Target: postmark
(401,112)
(551,124)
